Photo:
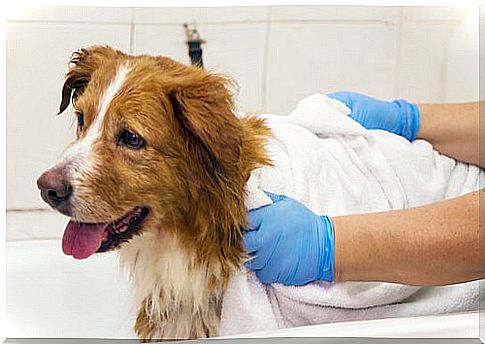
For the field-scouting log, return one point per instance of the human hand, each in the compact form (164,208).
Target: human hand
(399,116)
(289,244)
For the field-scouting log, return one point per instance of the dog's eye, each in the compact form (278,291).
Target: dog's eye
(131,140)
(80,119)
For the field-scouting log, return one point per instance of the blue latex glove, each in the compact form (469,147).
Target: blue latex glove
(289,244)
(399,116)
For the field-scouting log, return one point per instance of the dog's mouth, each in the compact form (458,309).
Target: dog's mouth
(82,240)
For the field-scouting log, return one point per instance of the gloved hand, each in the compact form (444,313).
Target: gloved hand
(399,116)
(289,244)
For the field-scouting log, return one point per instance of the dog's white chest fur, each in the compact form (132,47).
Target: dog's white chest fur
(170,286)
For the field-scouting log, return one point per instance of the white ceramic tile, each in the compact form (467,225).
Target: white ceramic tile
(235,50)
(439,59)
(37,56)
(438,13)
(72,14)
(358,13)
(16,230)
(238,51)
(164,40)
(173,15)
(35,224)
(50,295)
(424,59)
(462,69)
(321,58)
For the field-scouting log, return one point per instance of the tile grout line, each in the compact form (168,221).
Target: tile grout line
(262,21)
(264,83)
(282,21)
(34,239)
(26,210)
(43,227)
(132,31)
(74,22)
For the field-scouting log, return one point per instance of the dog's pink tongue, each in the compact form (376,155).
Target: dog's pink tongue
(82,239)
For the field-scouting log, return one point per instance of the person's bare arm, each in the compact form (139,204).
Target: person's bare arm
(430,245)
(453,129)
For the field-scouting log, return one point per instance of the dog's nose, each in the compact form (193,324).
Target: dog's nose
(54,188)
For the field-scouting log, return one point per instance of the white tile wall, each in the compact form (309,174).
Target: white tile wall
(439,54)
(462,77)
(166,40)
(276,54)
(436,13)
(306,58)
(423,60)
(200,15)
(241,58)
(72,14)
(336,13)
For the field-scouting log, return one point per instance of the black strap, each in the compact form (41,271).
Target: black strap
(194,44)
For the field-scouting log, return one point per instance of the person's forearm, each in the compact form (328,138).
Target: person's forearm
(429,245)
(453,129)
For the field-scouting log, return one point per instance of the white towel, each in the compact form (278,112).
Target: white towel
(335,166)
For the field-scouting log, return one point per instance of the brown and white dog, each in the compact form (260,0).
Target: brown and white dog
(157,172)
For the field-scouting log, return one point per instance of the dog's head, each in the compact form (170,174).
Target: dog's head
(157,146)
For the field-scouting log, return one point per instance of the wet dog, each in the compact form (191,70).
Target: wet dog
(157,172)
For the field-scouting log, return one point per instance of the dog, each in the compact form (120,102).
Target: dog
(157,172)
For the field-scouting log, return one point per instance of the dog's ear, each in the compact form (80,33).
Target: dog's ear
(203,104)
(82,65)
